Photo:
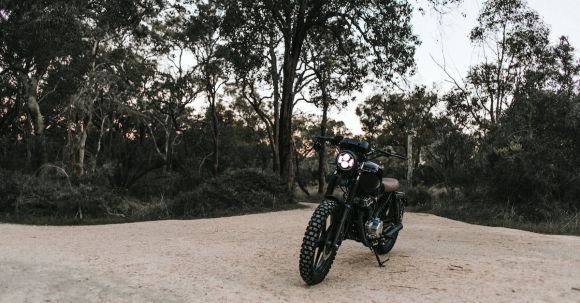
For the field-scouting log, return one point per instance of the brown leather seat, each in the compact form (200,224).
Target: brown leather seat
(390,184)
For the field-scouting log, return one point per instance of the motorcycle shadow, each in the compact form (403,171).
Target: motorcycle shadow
(365,259)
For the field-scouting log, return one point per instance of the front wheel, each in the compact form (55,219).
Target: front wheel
(315,256)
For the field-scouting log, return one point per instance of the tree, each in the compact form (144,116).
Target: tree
(332,73)
(380,31)
(393,120)
(514,41)
(61,56)
(174,89)
(35,41)
(205,42)
(306,127)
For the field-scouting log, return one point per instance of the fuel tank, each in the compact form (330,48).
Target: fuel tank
(370,179)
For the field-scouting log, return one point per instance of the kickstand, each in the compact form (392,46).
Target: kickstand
(381,263)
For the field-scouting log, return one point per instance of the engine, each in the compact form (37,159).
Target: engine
(367,201)
(374,228)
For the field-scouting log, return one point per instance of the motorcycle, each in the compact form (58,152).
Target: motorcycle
(370,210)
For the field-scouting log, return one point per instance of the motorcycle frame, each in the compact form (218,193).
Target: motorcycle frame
(346,207)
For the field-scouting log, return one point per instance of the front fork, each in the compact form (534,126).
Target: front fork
(346,209)
(340,228)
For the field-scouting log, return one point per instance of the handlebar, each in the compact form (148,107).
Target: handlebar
(371,155)
(334,140)
(378,153)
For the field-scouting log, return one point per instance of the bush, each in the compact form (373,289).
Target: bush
(10,187)
(53,198)
(532,158)
(31,198)
(419,198)
(56,199)
(236,191)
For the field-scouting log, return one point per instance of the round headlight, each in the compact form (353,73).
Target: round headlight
(345,161)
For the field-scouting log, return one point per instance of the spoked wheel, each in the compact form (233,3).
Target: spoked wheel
(315,256)
(386,244)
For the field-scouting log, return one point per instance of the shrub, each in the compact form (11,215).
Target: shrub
(10,187)
(233,192)
(52,198)
(419,198)
(31,197)
(155,185)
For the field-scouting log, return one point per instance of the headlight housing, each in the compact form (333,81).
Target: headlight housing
(345,161)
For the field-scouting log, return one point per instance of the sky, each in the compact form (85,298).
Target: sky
(447,37)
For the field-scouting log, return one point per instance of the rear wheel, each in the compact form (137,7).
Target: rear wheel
(315,256)
(396,215)
(386,245)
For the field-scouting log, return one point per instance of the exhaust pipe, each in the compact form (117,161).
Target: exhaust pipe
(390,233)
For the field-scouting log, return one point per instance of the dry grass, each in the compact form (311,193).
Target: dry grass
(560,224)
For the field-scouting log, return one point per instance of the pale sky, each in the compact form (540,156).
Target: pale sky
(448,35)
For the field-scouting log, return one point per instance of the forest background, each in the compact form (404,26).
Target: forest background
(115,111)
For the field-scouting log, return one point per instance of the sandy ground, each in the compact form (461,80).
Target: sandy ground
(254,258)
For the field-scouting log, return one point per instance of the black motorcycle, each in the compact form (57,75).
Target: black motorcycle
(370,210)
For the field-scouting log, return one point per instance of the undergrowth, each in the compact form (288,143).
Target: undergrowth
(456,205)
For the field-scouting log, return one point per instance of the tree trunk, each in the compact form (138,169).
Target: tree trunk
(276,127)
(285,130)
(418,155)
(31,92)
(99,143)
(81,148)
(410,157)
(166,150)
(275,156)
(292,48)
(301,184)
(322,151)
(215,134)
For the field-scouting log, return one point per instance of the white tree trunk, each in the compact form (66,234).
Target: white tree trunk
(410,157)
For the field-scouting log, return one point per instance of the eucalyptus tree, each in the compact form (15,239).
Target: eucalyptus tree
(37,41)
(258,79)
(394,119)
(265,106)
(173,87)
(331,74)
(204,39)
(62,57)
(514,42)
(380,30)
(305,128)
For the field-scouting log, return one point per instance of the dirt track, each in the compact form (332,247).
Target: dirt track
(254,258)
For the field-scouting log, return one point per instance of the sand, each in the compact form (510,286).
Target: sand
(254,258)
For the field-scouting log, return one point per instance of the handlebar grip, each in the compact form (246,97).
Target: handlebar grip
(391,154)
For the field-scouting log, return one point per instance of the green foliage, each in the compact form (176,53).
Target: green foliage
(56,200)
(235,191)
(509,150)
(30,196)
(107,92)
(44,198)
(10,188)
(158,184)
(386,119)
(449,159)
(419,198)
(533,159)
